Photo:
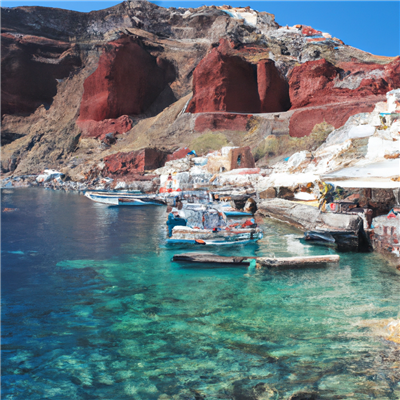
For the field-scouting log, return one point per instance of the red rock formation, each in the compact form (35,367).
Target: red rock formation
(272,88)
(303,120)
(345,90)
(308,31)
(178,154)
(126,81)
(99,129)
(30,66)
(221,121)
(224,82)
(319,82)
(309,81)
(134,162)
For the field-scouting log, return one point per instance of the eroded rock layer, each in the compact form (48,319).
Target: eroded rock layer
(80,87)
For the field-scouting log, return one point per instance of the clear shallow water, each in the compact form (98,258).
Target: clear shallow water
(92,308)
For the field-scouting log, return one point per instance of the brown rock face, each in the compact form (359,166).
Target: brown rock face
(303,120)
(320,82)
(269,193)
(322,91)
(30,66)
(272,88)
(178,154)
(224,82)
(134,162)
(223,121)
(99,129)
(126,81)
(309,81)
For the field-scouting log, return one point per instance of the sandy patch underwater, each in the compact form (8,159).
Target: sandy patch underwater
(93,308)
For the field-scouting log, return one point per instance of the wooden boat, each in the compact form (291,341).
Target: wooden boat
(291,262)
(199,224)
(118,199)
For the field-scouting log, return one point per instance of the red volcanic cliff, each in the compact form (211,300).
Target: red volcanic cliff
(224,82)
(134,162)
(319,82)
(126,81)
(304,119)
(30,67)
(139,59)
(324,92)
(272,88)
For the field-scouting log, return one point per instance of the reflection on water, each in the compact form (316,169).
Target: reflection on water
(92,307)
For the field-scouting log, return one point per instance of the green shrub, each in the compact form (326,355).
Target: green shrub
(208,142)
(270,146)
(278,145)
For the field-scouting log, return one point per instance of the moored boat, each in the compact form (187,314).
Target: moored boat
(205,225)
(119,199)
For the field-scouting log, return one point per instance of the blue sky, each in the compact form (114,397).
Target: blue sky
(371,26)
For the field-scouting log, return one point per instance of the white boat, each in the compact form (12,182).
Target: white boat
(125,199)
(205,225)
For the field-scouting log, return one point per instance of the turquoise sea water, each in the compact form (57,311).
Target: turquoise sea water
(93,308)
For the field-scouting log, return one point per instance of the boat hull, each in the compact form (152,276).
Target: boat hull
(185,235)
(125,200)
(210,242)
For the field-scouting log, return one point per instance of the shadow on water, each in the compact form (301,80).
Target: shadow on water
(92,307)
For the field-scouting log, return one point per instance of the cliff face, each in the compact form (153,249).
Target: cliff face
(157,77)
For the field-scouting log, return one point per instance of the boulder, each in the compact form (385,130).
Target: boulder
(273,88)
(269,193)
(224,82)
(250,206)
(134,162)
(127,81)
(285,193)
(48,175)
(178,154)
(99,129)
(305,217)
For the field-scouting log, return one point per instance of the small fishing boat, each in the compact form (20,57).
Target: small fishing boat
(125,199)
(205,225)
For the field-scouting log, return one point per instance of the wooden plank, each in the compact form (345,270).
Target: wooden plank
(308,261)
(210,258)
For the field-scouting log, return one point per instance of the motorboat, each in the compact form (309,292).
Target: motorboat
(200,224)
(125,199)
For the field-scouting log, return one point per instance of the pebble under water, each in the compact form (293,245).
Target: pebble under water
(93,308)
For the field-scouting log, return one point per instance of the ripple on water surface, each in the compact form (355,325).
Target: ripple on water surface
(92,307)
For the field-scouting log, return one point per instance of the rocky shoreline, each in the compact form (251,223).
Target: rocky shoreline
(272,111)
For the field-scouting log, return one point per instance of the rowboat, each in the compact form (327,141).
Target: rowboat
(119,199)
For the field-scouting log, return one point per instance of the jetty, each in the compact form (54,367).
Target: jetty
(240,261)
